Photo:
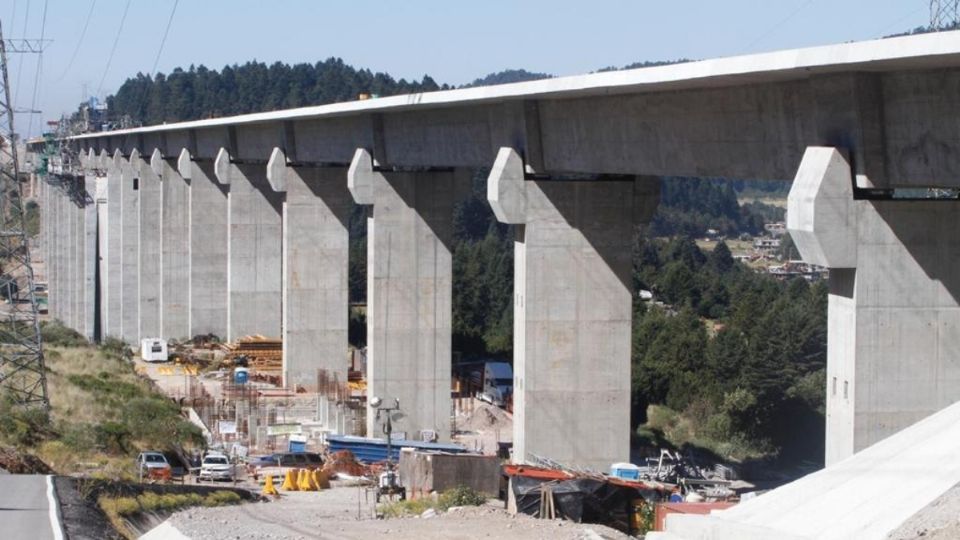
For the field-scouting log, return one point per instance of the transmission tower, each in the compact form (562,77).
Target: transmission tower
(22,371)
(944,14)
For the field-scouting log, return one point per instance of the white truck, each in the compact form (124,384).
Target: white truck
(497,383)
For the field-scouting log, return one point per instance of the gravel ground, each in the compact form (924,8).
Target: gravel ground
(940,520)
(346,513)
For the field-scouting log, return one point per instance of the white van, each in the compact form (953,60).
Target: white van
(153,350)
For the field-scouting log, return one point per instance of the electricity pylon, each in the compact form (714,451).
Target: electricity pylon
(23,378)
(944,14)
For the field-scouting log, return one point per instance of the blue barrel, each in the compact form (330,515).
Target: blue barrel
(241,375)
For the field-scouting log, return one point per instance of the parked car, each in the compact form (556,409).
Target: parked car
(153,466)
(216,466)
(278,464)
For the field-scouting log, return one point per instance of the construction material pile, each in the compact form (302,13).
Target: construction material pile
(257,352)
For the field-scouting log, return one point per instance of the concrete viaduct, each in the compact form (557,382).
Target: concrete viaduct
(238,226)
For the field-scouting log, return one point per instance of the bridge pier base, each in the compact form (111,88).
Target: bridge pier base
(893,345)
(207,224)
(316,216)
(572,310)
(254,238)
(409,291)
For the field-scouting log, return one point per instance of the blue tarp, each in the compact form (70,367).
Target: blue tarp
(374,450)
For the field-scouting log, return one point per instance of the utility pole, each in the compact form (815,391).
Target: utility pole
(22,371)
(944,14)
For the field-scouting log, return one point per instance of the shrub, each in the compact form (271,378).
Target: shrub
(460,496)
(23,426)
(56,334)
(221,498)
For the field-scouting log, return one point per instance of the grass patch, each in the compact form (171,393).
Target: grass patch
(119,508)
(102,413)
(700,426)
(458,496)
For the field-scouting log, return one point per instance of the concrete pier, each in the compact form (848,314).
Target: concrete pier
(893,317)
(88,273)
(207,223)
(254,240)
(111,297)
(151,245)
(409,291)
(129,250)
(572,310)
(316,214)
(175,249)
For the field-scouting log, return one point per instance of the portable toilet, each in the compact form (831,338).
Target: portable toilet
(153,350)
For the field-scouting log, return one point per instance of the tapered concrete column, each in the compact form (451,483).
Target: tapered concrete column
(175,252)
(572,310)
(90,316)
(151,244)
(409,291)
(112,229)
(208,247)
(316,213)
(56,257)
(893,331)
(129,250)
(254,238)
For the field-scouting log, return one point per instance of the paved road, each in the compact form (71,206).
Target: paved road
(25,512)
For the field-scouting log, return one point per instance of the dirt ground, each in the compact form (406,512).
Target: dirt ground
(345,513)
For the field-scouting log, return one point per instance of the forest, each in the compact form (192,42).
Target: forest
(737,354)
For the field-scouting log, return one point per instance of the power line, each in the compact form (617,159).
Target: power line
(26,20)
(114,48)
(163,41)
(36,76)
(83,34)
(782,22)
(898,21)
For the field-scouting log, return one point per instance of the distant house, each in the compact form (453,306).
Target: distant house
(766,245)
(776,230)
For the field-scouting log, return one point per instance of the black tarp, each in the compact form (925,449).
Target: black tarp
(583,500)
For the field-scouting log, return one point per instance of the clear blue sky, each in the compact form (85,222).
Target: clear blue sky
(452,41)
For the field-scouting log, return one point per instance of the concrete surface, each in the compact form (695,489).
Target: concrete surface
(151,248)
(26,508)
(129,250)
(255,240)
(894,319)
(866,496)
(90,316)
(208,247)
(175,249)
(572,311)
(409,292)
(111,297)
(742,117)
(316,214)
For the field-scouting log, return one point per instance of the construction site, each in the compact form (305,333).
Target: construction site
(317,301)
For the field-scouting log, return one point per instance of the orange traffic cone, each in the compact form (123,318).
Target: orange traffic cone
(290,481)
(268,487)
